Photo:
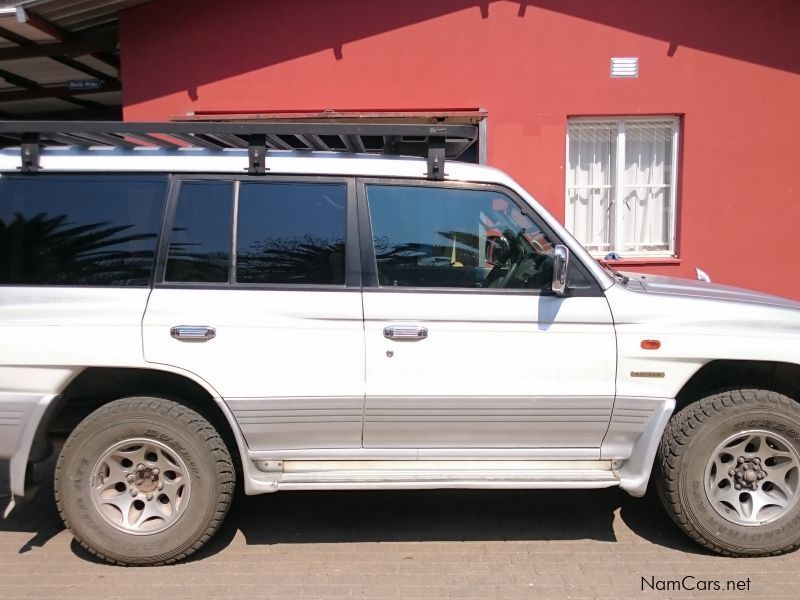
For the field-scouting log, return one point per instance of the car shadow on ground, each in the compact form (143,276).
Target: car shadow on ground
(396,516)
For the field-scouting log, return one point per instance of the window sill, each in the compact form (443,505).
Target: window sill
(643,262)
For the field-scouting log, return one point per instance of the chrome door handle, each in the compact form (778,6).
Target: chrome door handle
(197,333)
(405,332)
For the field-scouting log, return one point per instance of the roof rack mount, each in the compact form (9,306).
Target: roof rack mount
(434,142)
(29,149)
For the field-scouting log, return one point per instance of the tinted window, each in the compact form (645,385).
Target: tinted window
(291,233)
(200,242)
(79,229)
(440,237)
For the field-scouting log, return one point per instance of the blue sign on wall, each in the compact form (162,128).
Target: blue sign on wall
(84,84)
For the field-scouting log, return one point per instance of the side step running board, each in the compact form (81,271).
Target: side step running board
(476,479)
(387,475)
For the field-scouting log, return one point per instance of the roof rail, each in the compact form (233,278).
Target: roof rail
(436,142)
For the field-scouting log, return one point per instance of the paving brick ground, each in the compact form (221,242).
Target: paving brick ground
(427,544)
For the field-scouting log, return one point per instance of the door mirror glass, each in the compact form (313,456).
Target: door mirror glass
(560,267)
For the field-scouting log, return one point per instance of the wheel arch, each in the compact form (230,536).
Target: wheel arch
(723,375)
(96,386)
(712,378)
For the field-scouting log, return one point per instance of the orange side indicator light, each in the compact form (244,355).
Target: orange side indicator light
(651,344)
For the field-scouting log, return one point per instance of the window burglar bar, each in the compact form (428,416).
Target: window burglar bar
(434,142)
(621,184)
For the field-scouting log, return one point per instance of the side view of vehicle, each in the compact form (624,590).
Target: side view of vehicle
(185,307)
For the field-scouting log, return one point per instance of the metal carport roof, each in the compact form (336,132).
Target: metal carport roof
(60,59)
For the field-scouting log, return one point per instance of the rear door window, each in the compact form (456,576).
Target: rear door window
(291,233)
(200,241)
(283,233)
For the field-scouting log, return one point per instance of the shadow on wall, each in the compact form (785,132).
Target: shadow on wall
(762,33)
(240,36)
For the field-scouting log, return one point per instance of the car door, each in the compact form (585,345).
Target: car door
(255,296)
(466,347)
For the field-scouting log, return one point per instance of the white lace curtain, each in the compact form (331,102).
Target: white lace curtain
(634,216)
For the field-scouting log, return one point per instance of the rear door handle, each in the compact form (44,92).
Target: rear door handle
(405,332)
(195,333)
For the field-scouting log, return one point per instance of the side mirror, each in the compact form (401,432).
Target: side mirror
(560,267)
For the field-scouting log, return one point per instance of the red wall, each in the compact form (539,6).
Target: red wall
(731,70)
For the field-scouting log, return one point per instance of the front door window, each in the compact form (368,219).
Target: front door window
(456,238)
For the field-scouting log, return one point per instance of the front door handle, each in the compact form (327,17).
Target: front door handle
(405,332)
(193,333)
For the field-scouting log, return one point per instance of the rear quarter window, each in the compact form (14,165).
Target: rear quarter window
(98,230)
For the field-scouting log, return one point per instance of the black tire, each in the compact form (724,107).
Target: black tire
(195,446)
(692,437)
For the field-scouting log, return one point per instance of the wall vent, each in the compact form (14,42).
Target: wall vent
(625,67)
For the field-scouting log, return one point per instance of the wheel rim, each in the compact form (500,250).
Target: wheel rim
(140,486)
(753,477)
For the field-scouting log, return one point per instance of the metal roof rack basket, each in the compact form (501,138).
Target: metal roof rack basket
(435,142)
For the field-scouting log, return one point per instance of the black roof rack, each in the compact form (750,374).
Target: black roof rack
(436,142)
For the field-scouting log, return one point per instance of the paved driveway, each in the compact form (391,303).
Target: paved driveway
(426,544)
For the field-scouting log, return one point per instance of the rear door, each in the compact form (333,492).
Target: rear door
(258,293)
(466,347)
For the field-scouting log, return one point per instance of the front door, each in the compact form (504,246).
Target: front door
(254,298)
(466,347)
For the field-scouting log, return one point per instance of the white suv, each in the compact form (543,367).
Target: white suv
(320,320)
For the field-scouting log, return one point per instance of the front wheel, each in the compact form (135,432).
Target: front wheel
(730,472)
(143,481)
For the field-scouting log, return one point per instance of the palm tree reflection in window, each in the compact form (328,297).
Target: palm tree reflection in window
(450,261)
(302,260)
(186,264)
(44,249)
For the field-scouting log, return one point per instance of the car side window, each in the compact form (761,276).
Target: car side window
(284,233)
(200,241)
(80,229)
(291,233)
(442,237)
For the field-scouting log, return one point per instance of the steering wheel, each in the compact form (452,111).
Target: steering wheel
(501,276)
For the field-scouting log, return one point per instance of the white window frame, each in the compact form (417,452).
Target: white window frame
(618,187)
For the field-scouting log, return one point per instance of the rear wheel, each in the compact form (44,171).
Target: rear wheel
(730,466)
(143,481)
